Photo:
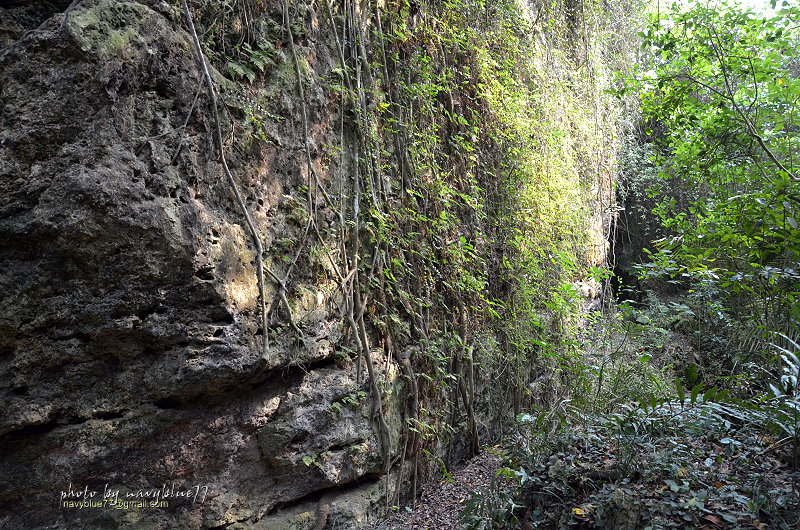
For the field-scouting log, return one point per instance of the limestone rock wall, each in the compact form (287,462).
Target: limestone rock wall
(132,369)
(130,354)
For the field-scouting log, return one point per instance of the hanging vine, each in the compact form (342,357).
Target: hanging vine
(231,182)
(431,157)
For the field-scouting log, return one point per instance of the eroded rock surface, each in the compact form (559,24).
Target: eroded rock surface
(130,348)
(132,360)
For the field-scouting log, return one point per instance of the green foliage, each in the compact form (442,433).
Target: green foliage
(717,164)
(250,61)
(490,508)
(503,163)
(314,460)
(638,190)
(691,456)
(783,407)
(619,356)
(699,410)
(451,208)
(720,94)
(478,169)
(231,26)
(353,400)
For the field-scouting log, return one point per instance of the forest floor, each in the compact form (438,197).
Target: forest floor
(596,481)
(687,459)
(440,504)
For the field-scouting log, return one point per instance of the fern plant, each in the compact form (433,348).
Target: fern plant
(785,400)
(250,61)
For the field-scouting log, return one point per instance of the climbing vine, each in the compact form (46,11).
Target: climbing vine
(448,205)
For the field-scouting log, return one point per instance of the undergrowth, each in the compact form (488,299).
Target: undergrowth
(654,452)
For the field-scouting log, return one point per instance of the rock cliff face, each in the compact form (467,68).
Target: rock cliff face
(130,351)
(131,356)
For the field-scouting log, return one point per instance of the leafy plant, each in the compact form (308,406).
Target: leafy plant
(250,60)
(785,400)
(718,94)
(490,508)
(314,460)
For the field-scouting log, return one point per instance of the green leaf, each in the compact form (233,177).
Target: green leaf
(695,392)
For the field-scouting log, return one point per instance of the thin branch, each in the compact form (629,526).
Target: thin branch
(183,127)
(751,130)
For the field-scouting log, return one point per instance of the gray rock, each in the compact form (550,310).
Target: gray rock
(130,356)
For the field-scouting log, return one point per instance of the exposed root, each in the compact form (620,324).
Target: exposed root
(231,181)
